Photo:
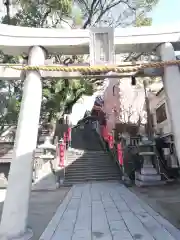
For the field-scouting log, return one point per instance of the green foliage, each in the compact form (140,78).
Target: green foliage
(13,107)
(60,97)
(145,4)
(143,21)
(62,6)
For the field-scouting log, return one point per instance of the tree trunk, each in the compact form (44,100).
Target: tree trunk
(7,5)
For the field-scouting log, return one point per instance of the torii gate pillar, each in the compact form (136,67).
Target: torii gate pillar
(171,80)
(16,205)
(102,52)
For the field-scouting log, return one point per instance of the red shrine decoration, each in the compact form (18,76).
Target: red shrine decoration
(65,137)
(61,154)
(69,134)
(104,133)
(111,141)
(120,154)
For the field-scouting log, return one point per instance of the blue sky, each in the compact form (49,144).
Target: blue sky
(166,12)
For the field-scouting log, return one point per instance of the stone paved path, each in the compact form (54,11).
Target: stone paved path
(107,211)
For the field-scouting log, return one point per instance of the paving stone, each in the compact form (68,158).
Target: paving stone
(53,224)
(65,235)
(122,206)
(116,226)
(101,236)
(108,204)
(83,220)
(148,208)
(95,196)
(168,226)
(99,220)
(105,197)
(132,202)
(68,220)
(156,229)
(107,211)
(113,215)
(82,235)
(77,191)
(136,228)
(122,235)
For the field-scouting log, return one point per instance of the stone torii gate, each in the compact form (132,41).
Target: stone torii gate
(104,43)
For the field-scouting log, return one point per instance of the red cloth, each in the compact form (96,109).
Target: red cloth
(69,134)
(120,154)
(111,141)
(105,133)
(65,137)
(61,154)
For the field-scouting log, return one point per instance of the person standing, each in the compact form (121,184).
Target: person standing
(61,128)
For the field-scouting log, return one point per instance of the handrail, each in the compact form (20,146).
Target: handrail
(158,166)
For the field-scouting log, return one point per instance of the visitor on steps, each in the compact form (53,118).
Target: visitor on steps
(61,128)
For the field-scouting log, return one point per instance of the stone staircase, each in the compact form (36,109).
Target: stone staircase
(85,139)
(90,166)
(86,161)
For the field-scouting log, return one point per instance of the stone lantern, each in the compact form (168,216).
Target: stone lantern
(48,149)
(49,154)
(148,175)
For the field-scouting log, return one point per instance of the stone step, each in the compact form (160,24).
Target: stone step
(90,165)
(89,176)
(140,183)
(74,181)
(69,183)
(96,175)
(81,155)
(147,178)
(91,169)
(87,157)
(148,171)
(81,158)
(89,153)
(91,161)
(91,173)
(75,167)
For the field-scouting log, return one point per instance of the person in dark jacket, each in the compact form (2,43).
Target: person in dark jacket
(61,128)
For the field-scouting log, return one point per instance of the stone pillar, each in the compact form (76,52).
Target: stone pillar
(15,210)
(102,53)
(171,80)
